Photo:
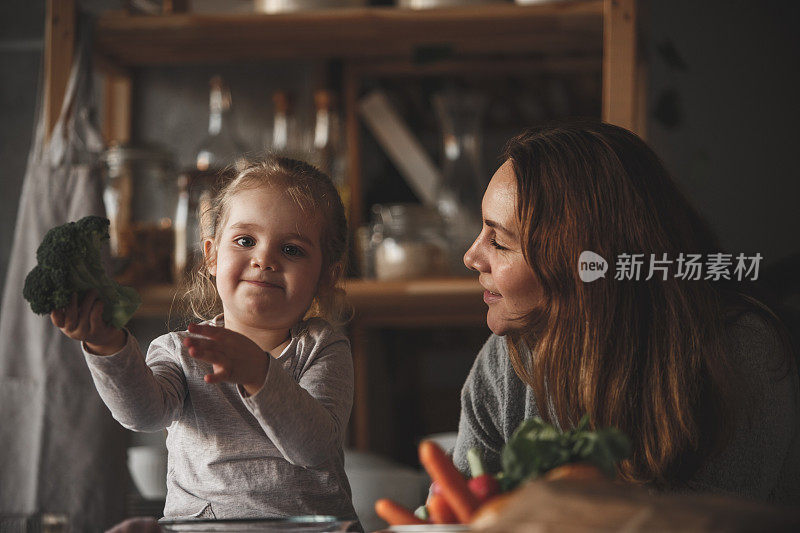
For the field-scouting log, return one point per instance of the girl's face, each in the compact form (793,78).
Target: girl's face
(268,260)
(511,288)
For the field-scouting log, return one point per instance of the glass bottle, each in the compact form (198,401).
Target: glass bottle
(222,146)
(328,147)
(192,221)
(464,180)
(286,138)
(216,155)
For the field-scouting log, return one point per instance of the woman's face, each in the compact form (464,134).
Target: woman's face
(511,288)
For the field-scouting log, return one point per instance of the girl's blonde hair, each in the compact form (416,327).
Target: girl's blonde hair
(314,194)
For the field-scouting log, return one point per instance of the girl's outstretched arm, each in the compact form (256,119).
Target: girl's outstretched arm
(142,396)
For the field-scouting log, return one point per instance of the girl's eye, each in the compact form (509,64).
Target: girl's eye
(496,245)
(245,242)
(291,250)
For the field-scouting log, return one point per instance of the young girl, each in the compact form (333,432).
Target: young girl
(256,399)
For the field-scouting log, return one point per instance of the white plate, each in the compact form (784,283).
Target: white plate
(297,524)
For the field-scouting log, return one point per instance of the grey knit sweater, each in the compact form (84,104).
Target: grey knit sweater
(277,453)
(761,462)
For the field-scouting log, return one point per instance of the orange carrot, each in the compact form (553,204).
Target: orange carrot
(395,514)
(440,511)
(453,485)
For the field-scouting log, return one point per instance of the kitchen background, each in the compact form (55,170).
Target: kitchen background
(722,84)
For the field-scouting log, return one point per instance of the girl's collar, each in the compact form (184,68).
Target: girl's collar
(294,331)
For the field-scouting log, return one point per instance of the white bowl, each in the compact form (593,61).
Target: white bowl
(447,441)
(148,468)
(373,477)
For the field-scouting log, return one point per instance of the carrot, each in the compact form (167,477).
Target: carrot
(395,514)
(440,511)
(452,483)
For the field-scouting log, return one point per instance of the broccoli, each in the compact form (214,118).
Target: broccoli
(69,262)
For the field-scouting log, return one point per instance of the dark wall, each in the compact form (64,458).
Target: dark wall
(724,83)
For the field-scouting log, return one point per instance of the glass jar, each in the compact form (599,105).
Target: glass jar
(406,242)
(139,195)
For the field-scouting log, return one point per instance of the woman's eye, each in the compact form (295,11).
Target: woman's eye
(246,242)
(292,250)
(496,244)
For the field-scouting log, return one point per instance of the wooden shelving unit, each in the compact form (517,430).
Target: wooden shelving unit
(559,28)
(559,36)
(447,302)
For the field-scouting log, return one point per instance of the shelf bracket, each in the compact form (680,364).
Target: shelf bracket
(621,76)
(59,48)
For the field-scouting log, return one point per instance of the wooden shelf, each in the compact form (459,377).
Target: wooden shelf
(430,302)
(569,29)
(434,302)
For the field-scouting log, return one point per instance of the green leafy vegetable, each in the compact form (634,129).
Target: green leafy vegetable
(69,262)
(536,447)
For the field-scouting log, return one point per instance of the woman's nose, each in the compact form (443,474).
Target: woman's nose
(473,258)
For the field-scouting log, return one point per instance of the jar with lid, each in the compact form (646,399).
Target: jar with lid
(407,242)
(139,195)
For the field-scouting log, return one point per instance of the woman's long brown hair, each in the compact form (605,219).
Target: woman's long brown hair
(646,356)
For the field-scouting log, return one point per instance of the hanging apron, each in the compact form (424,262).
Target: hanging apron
(60,450)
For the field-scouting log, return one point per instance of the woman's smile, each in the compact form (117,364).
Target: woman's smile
(489,297)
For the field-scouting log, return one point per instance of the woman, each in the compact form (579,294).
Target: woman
(698,375)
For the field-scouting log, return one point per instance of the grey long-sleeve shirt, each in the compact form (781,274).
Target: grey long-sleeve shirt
(762,461)
(276,453)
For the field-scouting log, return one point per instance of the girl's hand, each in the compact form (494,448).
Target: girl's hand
(234,357)
(85,323)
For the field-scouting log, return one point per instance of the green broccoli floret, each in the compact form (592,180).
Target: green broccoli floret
(70,261)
